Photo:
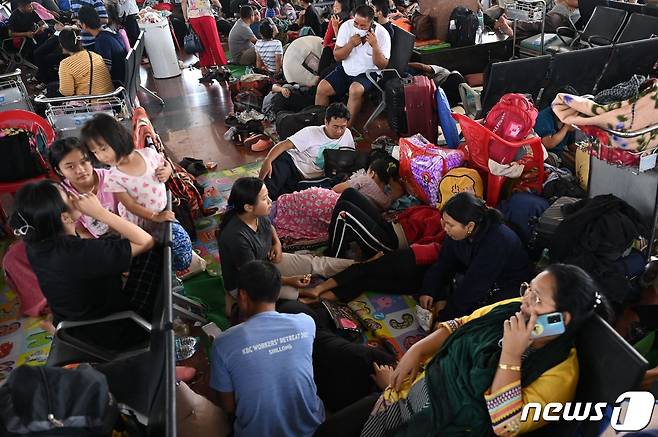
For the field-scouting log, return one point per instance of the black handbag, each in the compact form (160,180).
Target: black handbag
(192,42)
(22,160)
(341,163)
(44,400)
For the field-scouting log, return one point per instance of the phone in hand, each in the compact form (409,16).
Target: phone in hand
(548,325)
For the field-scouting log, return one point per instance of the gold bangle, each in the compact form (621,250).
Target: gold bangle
(506,367)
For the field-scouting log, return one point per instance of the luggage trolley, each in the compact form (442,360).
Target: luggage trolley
(632,176)
(67,115)
(527,11)
(13,94)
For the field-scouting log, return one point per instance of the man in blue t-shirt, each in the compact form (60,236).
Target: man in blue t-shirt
(263,368)
(106,43)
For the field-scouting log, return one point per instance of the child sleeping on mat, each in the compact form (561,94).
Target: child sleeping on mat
(306,214)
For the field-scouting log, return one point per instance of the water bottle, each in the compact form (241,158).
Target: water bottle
(480,25)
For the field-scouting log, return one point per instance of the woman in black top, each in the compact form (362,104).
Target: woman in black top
(481,261)
(246,234)
(82,279)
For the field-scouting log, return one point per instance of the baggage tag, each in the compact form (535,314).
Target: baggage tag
(424,318)
(211,330)
(648,162)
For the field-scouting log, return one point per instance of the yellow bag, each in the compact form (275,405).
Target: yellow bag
(458,180)
(582,167)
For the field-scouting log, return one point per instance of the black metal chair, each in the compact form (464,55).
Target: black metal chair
(138,50)
(579,69)
(402,45)
(151,393)
(524,76)
(601,29)
(609,366)
(639,26)
(11,56)
(629,58)
(586,9)
(630,8)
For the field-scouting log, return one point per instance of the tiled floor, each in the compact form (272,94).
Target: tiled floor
(191,123)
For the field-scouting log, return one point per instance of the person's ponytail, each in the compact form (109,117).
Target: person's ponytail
(244,192)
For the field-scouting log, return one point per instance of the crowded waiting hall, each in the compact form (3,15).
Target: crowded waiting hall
(342,218)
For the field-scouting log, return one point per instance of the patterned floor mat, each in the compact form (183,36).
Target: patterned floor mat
(22,340)
(389,317)
(217,185)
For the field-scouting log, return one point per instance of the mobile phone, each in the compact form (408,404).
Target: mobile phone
(372,27)
(548,325)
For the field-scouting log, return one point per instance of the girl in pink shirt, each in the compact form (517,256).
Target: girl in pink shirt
(72,164)
(137,178)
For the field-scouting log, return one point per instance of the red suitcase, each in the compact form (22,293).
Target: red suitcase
(420,106)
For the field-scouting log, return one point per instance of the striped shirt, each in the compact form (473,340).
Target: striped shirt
(96,4)
(267,51)
(86,38)
(75,75)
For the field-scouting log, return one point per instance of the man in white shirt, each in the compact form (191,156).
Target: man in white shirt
(300,157)
(361,45)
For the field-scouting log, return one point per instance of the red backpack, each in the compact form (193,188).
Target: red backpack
(512,118)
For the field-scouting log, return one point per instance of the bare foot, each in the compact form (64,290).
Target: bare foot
(314,297)
(311,293)
(382,376)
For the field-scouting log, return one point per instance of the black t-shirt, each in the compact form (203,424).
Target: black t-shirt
(312,20)
(22,22)
(81,279)
(239,244)
(389,28)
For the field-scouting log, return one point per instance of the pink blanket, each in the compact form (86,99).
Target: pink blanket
(628,116)
(305,214)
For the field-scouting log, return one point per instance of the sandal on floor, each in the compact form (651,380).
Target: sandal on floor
(253,139)
(262,145)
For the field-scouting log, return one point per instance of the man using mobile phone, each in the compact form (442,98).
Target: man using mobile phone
(382,10)
(361,45)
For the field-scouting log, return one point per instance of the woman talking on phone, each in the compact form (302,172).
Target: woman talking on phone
(475,373)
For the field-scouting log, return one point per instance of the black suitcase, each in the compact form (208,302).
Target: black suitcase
(550,220)
(397,118)
(289,123)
